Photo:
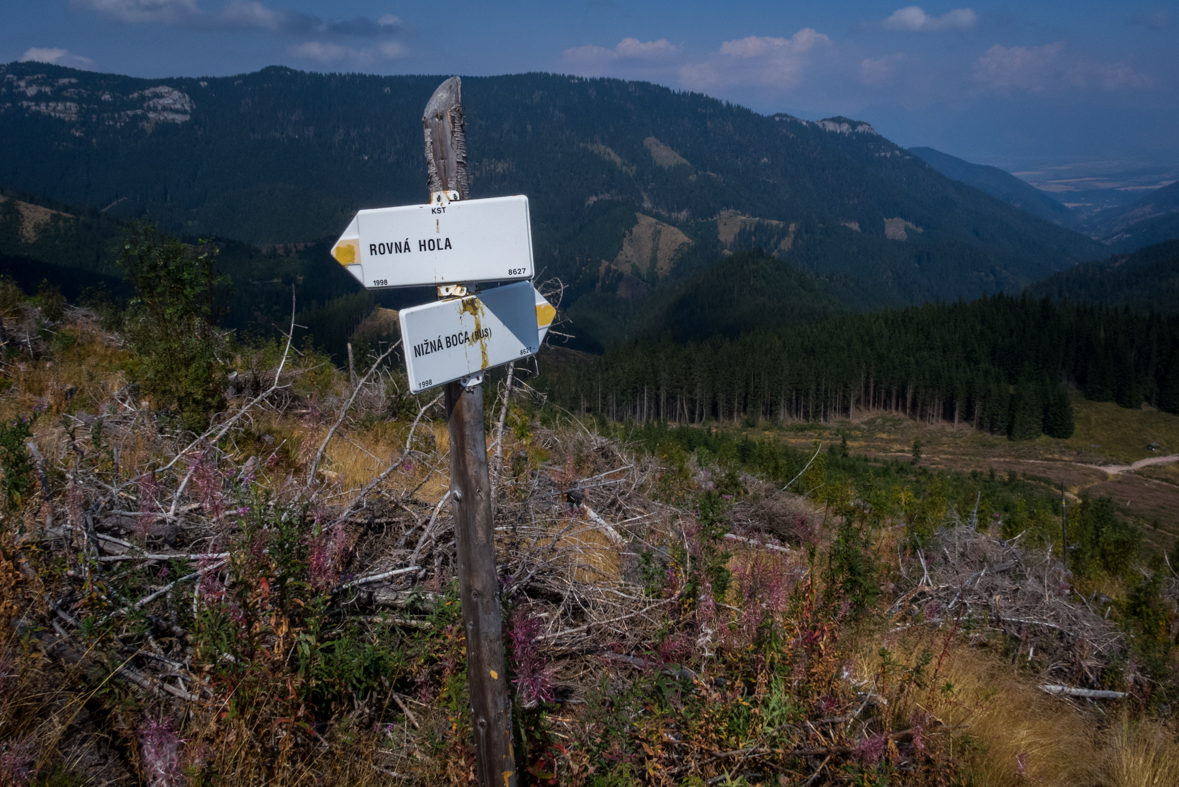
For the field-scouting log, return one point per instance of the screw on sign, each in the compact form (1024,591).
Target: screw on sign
(453,242)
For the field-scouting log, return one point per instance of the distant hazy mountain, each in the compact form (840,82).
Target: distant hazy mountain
(1002,186)
(633,187)
(1147,280)
(1149,219)
(1146,232)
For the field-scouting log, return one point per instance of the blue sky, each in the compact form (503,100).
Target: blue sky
(1014,84)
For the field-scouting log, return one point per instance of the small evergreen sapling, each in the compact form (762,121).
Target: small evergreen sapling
(170,323)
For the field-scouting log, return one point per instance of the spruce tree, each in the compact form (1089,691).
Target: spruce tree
(1129,386)
(1169,390)
(1058,414)
(1027,414)
(1100,384)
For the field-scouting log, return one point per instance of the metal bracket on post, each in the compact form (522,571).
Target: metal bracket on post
(455,291)
(472,381)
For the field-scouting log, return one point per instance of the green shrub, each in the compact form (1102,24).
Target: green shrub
(1101,540)
(170,324)
(15,460)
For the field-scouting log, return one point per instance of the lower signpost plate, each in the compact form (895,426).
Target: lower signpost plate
(452,339)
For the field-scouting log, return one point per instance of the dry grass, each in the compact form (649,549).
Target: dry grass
(1144,754)
(1009,733)
(1015,733)
(92,364)
(34,218)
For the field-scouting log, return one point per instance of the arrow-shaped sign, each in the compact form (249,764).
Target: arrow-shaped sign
(442,243)
(452,339)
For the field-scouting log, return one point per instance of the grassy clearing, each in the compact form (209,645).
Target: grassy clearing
(1106,435)
(1120,435)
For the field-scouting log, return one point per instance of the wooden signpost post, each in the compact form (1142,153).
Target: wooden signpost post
(452,342)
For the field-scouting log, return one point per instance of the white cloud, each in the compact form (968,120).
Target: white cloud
(881,71)
(627,49)
(1108,76)
(757,60)
(1039,69)
(1003,69)
(914,19)
(55,56)
(251,14)
(142,10)
(326,52)
(1157,20)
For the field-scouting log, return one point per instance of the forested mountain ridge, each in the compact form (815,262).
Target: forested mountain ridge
(1152,218)
(283,156)
(1160,202)
(1147,280)
(78,251)
(1000,363)
(1003,186)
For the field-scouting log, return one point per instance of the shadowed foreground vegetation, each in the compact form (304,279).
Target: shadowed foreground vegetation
(262,591)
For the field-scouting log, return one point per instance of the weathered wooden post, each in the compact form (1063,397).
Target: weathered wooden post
(1063,527)
(470,484)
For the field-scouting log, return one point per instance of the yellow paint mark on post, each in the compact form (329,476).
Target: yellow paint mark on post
(474,307)
(545,314)
(346,252)
(494,674)
(507,778)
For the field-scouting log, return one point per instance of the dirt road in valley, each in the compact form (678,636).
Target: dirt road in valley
(1118,469)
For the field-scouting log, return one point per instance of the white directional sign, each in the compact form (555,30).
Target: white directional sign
(441,243)
(448,340)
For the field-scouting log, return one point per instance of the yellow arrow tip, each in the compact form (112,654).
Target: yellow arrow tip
(544,315)
(346,251)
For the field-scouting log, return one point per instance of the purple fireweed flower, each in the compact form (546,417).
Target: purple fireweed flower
(533,681)
(159,751)
(211,587)
(918,721)
(18,760)
(870,751)
(149,496)
(208,481)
